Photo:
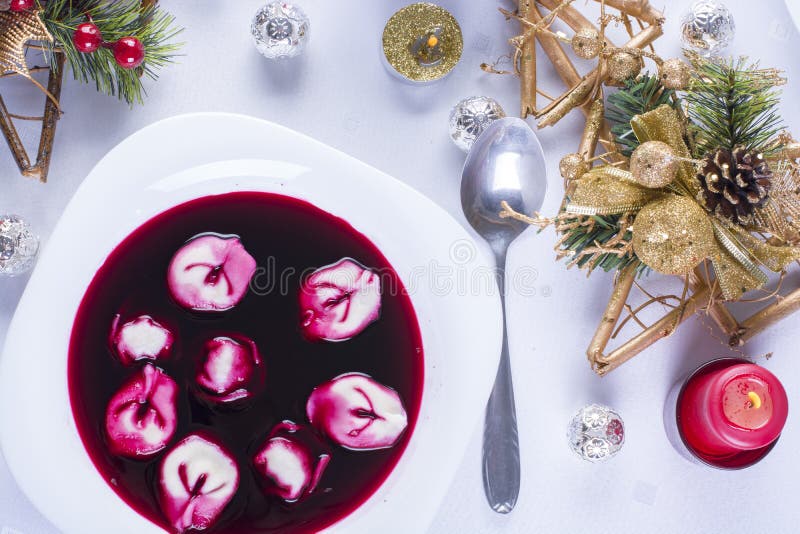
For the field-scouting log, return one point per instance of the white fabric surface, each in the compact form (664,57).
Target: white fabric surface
(340,94)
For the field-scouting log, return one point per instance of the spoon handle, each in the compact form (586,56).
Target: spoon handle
(501,464)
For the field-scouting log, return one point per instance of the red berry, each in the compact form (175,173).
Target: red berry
(129,52)
(21,5)
(87,38)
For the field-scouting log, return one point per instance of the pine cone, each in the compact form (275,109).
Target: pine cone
(734,183)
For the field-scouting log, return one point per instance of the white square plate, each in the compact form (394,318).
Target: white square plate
(191,156)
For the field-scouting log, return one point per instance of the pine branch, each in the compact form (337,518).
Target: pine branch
(732,104)
(116,19)
(639,96)
(597,241)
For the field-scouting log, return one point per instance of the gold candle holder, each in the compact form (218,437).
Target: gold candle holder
(422,43)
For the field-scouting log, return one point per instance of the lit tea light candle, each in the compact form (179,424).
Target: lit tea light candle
(731,412)
(422,43)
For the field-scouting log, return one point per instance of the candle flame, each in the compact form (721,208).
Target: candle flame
(755,400)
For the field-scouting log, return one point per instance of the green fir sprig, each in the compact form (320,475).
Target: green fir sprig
(589,231)
(151,25)
(639,96)
(734,103)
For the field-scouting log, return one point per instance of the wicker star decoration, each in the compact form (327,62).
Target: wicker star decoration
(16,30)
(702,292)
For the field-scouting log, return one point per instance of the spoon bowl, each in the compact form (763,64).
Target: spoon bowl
(505,163)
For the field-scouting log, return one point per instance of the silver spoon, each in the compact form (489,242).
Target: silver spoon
(505,163)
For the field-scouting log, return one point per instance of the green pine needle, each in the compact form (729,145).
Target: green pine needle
(734,103)
(115,19)
(605,228)
(639,96)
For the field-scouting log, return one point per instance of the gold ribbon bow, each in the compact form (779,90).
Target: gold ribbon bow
(673,232)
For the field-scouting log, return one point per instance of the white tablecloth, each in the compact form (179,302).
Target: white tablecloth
(340,94)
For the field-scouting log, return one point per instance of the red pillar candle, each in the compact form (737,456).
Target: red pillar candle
(731,412)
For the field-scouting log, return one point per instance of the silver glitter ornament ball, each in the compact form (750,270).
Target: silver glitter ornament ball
(280,30)
(470,117)
(596,433)
(18,246)
(708,28)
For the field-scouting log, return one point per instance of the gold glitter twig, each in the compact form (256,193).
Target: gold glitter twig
(664,327)
(526,65)
(761,320)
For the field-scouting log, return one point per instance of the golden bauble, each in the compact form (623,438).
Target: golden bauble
(654,165)
(623,65)
(675,74)
(573,166)
(587,44)
(672,235)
